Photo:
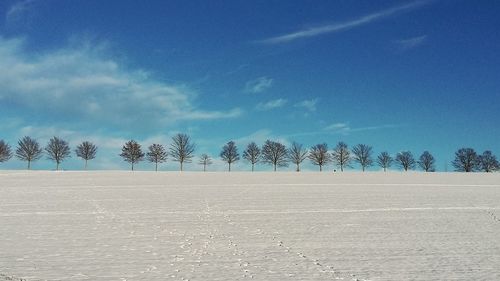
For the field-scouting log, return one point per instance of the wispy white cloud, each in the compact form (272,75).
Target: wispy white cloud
(331,28)
(83,85)
(345,129)
(309,105)
(258,85)
(18,10)
(272,104)
(410,43)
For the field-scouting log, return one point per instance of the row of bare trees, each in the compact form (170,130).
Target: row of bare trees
(272,153)
(57,150)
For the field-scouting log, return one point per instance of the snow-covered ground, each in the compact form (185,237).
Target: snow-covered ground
(238,226)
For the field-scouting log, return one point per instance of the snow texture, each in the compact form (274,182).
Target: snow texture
(249,226)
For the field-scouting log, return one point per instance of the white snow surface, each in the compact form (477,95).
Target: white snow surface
(243,226)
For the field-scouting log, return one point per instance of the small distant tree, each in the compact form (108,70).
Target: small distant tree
(297,154)
(28,150)
(274,153)
(132,153)
(5,152)
(57,150)
(229,153)
(252,154)
(362,154)
(466,160)
(87,151)
(488,162)
(384,160)
(341,155)
(405,160)
(427,162)
(318,154)
(205,160)
(181,149)
(156,154)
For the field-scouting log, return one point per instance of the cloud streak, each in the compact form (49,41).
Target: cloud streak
(258,85)
(410,43)
(272,104)
(338,27)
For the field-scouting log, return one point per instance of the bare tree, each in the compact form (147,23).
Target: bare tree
(427,162)
(318,154)
(57,150)
(297,154)
(5,152)
(132,153)
(341,155)
(274,153)
(384,160)
(87,151)
(182,149)
(230,153)
(362,154)
(205,160)
(405,160)
(488,162)
(156,154)
(466,160)
(28,150)
(252,154)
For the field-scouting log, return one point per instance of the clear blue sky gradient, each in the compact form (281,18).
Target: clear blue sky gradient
(398,75)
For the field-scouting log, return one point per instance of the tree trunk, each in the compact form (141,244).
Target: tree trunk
(229,166)
(363,168)
(320,168)
(132,166)
(298,168)
(275,167)
(29,164)
(57,166)
(204,167)
(181,166)
(253,166)
(86,164)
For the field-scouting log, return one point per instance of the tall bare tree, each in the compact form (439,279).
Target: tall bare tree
(297,154)
(405,160)
(57,150)
(5,152)
(87,151)
(362,154)
(205,160)
(252,154)
(274,153)
(230,154)
(427,162)
(488,162)
(181,149)
(156,154)
(28,150)
(466,160)
(132,153)
(384,160)
(318,154)
(341,155)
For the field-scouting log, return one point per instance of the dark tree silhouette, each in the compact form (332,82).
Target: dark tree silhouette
(132,153)
(5,152)
(362,154)
(341,155)
(28,150)
(466,160)
(427,162)
(488,162)
(405,160)
(384,160)
(156,154)
(87,151)
(252,154)
(205,160)
(181,149)
(318,154)
(229,153)
(57,150)
(274,153)
(297,154)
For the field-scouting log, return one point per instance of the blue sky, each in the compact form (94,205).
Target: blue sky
(398,75)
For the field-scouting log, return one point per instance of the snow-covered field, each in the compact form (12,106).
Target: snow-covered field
(238,226)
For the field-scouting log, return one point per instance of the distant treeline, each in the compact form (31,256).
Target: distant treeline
(271,153)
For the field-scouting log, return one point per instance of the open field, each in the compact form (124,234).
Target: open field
(238,226)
